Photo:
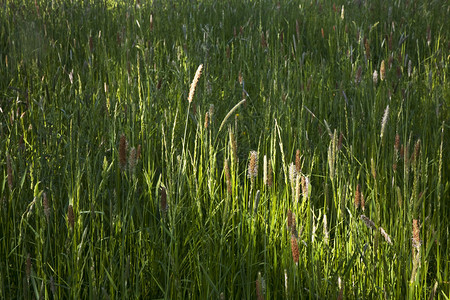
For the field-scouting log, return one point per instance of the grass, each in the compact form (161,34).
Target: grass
(299,167)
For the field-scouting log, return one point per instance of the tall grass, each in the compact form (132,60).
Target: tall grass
(309,160)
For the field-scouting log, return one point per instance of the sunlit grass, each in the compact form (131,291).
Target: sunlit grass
(306,158)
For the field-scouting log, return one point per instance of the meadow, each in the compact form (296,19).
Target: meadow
(224,149)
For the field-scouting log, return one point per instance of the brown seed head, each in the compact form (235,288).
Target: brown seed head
(294,248)
(123,152)
(298,161)
(253,165)
(70,216)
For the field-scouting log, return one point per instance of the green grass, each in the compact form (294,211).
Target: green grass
(185,219)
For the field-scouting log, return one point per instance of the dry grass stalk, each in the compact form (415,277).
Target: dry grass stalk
(194,83)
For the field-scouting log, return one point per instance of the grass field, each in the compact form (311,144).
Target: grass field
(224,149)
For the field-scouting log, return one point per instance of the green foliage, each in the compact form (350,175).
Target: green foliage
(113,185)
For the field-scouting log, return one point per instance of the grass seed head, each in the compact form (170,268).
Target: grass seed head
(294,248)
(226,169)
(269,175)
(253,165)
(382,70)
(384,121)
(292,174)
(298,161)
(387,238)
(194,83)
(70,216)
(123,152)
(132,160)
(369,223)
(375,77)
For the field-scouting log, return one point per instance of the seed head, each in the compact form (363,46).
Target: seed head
(269,175)
(123,152)
(298,162)
(70,216)
(253,165)
(194,83)
(369,223)
(294,248)
(384,121)
(375,77)
(382,70)
(45,205)
(386,236)
(132,160)
(292,174)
